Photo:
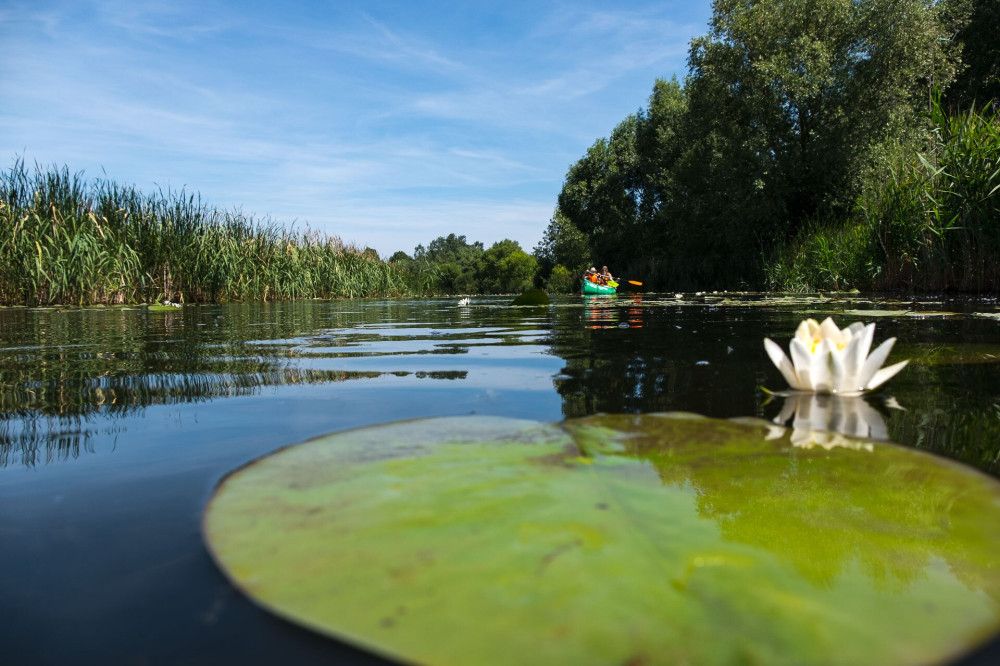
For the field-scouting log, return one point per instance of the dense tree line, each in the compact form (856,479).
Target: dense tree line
(792,120)
(452,265)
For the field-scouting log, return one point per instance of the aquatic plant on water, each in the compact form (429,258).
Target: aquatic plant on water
(827,359)
(613,539)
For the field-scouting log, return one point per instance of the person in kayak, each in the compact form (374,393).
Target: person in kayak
(605,276)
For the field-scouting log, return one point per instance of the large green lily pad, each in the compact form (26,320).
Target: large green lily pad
(615,540)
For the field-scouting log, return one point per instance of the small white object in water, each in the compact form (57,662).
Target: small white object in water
(464,302)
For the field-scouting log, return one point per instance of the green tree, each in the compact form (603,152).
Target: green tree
(562,281)
(600,196)
(978,82)
(400,257)
(790,104)
(505,268)
(454,262)
(659,143)
(562,245)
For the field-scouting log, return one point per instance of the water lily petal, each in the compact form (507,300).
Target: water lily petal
(828,329)
(854,356)
(874,362)
(802,361)
(782,362)
(885,374)
(822,364)
(837,366)
(808,328)
(807,333)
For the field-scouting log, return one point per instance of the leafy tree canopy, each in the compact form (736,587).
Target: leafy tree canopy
(978,82)
(562,245)
(506,269)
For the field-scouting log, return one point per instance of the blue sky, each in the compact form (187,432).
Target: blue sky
(386,123)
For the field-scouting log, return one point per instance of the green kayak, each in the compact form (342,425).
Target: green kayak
(593,289)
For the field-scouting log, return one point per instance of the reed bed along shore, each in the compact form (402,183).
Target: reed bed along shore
(928,221)
(67,240)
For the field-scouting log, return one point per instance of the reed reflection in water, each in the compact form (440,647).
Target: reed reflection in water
(72,379)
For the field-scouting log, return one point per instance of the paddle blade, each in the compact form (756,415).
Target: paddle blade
(635,282)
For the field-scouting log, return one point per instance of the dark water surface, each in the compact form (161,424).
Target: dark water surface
(116,424)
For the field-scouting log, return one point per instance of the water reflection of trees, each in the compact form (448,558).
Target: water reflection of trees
(73,377)
(47,422)
(950,409)
(621,356)
(889,512)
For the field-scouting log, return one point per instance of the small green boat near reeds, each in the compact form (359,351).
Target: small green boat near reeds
(593,289)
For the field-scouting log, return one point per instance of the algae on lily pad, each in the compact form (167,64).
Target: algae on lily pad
(614,540)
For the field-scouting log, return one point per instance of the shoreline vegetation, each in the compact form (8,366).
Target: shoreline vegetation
(64,240)
(813,145)
(68,241)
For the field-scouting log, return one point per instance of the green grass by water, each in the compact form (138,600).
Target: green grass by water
(67,240)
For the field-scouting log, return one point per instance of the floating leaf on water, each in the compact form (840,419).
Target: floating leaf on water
(162,308)
(862,314)
(917,314)
(532,297)
(987,315)
(615,539)
(931,314)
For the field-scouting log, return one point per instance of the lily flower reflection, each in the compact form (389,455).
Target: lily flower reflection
(830,421)
(826,359)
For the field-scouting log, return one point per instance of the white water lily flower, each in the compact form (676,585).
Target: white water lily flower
(826,359)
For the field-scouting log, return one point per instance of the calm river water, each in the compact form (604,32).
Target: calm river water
(116,425)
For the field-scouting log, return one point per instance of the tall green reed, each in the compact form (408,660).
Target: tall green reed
(64,240)
(937,217)
(928,221)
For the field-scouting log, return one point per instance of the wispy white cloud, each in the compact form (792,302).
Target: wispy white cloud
(394,47)
(403,226)
(176,20)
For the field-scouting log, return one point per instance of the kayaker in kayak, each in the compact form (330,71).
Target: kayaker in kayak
(605,276)
(594,285)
